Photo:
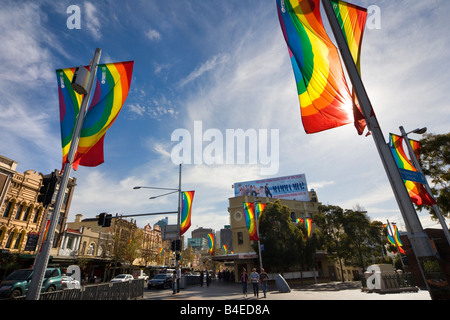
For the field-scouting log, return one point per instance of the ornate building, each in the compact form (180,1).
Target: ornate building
(22,218)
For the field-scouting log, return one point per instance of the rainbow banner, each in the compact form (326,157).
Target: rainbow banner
(161,252)
(210,238)
(112,84)
(224,248)
(259,210)
(250,220)
(352,20)
(395,239)
(325,100)
(413,179)
(308,223)
(186,205)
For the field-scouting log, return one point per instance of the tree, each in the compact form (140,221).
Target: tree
(307,247)
(329,220)
(279,236)
(435,163)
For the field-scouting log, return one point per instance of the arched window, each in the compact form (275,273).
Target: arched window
(37,214)
(91,249)
(26,215)
(11,237)
(19,240)
(8,209)
(19,211)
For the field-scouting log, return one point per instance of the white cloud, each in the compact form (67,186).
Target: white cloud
(92,20)
(153,35)
(210,64)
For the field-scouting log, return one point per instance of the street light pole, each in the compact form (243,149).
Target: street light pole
(413,158)
(42,258)
(178,237)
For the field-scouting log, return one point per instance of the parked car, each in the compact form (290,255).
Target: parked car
(18,282)
(70,283)
(143,276)
(122,278)
(162,280)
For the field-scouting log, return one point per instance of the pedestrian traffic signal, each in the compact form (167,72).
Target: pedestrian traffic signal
(47,189)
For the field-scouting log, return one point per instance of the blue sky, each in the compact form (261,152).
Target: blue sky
(226,65)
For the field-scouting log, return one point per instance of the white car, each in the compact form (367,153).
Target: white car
(70,283)
(122,278)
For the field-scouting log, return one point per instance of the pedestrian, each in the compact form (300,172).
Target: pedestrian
(244,282)
(264,277)
(201,278)
(254,278)
(174,282)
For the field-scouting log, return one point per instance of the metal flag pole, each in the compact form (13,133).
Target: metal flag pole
(178,250)
(418,237)
(257,231)
(435,207)
(42,259)
(420,242)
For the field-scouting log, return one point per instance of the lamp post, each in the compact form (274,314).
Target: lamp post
(178,238)
(413,157)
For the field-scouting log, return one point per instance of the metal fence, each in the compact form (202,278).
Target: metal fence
(103,291)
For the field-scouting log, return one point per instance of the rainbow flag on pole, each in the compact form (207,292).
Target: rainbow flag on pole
(413,179)
(325,100)
(112,84)
(352,20)
(186,205)
(250,220)
(210,238)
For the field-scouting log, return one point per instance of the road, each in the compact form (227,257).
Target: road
(325,291)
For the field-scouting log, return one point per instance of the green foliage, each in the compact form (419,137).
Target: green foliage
(435,164)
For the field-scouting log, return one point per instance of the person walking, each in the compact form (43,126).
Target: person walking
(254,278)
(264,277)
(244,279)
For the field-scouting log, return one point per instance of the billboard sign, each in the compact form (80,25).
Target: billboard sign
(288,187)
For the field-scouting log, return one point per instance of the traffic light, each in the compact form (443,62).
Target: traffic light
(47,189)
(178,245)
(108,219)
(104,219)
(101,219)
(172,245)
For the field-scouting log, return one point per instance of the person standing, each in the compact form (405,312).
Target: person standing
(201,278)
(244,279)
(254,278)
(174,282)
(264,277)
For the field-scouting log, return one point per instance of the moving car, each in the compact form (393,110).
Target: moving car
(18,282)
(122,278)
(162,280)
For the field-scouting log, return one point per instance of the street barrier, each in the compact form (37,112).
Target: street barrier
(103,291)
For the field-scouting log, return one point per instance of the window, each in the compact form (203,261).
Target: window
(19,211)
(27,214)
(36,215)
(91,249)
(240,237)
(8,208)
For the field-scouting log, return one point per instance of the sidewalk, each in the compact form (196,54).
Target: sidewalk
(323,291)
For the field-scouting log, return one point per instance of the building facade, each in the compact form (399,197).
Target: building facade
(22,218)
